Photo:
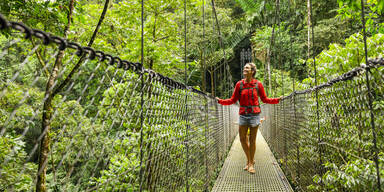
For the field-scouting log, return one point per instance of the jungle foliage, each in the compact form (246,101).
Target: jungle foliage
(338,48)
(89,117)
(94,123)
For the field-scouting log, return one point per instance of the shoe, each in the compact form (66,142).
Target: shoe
(251,169)
(246,168)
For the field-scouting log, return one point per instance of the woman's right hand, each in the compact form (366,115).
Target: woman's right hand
(217,98)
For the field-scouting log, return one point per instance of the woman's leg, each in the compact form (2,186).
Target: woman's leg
(252,147)
(243,129)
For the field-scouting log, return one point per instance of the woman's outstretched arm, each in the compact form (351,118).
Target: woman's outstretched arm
(264,97)
(234,98)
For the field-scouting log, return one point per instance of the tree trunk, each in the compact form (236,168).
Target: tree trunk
(202,56)
(279,50)
(266,68)
(203,70)
(212,82)
(48,111)
(309,28)
(151,61)
(50,94)
(269,52)
(272,42)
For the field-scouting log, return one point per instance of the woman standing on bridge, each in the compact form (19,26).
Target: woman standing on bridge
(247,91)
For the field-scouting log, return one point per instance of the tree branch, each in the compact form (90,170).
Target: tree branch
(76,67)
(40,59)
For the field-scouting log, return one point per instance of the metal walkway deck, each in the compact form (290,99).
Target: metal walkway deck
(268,176)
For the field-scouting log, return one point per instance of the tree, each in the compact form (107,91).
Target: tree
(47,112)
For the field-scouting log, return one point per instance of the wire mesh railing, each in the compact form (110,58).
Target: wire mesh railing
(346,138)
(88,136)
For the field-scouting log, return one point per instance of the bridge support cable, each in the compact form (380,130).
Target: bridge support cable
(319,139)
(226,77)
(206,122)
(293,102)
(186,115)
(142,98)
(370,100)
(284,138)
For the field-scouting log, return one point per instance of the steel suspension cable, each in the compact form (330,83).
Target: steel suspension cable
(282,86)
(370,99)
(294,101)
(206,124)
(316,91)
(186,139)
(278,56)
(142,97)
(294,110)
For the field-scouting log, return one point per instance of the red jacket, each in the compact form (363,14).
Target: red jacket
(249,103)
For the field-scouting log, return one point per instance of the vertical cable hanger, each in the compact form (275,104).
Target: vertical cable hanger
(273,88)
(316,91)
(213,69)
(294,111)
(142,96)
(278,56)
(294,103)
(186,99)
(282,85)
(206,108)
(370,99)
(269,90)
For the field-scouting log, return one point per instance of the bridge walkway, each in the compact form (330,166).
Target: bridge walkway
(268,176)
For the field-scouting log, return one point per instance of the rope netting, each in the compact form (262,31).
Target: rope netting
(76,119)
(329,158)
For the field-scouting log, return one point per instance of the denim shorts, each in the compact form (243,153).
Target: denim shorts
(253,120)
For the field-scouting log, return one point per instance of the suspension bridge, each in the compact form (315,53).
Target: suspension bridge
(97,122)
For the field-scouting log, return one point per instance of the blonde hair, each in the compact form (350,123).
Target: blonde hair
(253,68)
